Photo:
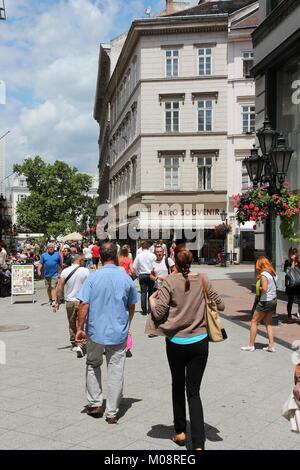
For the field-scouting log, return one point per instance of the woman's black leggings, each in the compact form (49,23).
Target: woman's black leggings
(187,364)
(290,305)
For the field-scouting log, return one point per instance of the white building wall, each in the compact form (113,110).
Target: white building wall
(153,56)
(241,92)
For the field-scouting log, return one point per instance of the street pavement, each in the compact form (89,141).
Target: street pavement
(42,387)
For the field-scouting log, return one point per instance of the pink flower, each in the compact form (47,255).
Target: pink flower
(251,205)
(286,184)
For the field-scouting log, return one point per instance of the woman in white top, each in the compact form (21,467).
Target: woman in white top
(266,305)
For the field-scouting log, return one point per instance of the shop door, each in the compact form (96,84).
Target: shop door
(247,246)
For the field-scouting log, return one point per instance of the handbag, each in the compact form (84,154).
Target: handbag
(292,277)
(216,331)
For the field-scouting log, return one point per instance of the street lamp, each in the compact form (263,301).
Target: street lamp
(223,216)
(267,169)
(281,158)
(254,165)
(4,135)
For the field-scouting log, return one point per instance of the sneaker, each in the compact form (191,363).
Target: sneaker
(80,351)
(73,348)
(248,348)
(269,349)
(298,315)
(51,302)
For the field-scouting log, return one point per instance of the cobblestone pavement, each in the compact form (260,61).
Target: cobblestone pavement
(42,385)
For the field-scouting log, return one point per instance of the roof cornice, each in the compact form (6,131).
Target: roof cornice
(163,26)
(276,17)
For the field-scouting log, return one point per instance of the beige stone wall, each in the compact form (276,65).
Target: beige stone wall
(152,170)
(153,55)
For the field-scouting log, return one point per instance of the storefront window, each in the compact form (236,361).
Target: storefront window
(288,122)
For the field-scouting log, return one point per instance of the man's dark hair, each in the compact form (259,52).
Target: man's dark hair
(108,252)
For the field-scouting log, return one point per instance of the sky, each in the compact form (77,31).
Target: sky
(49,53)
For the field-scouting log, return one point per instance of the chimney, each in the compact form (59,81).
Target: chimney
(169,7)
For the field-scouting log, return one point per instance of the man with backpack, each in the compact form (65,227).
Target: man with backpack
(71,280)
(161,267)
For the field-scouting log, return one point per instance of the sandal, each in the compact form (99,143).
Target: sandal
(179,439)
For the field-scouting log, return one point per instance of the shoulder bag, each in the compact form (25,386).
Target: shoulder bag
(292,277)
(216,331)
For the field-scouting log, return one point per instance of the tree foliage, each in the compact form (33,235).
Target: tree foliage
(58,202)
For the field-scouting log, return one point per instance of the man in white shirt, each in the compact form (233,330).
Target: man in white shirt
(3,256)
(161,243)
(71,280)
(87,256)
(161,267)
(143,266)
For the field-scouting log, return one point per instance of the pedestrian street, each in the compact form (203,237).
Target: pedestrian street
(42,389)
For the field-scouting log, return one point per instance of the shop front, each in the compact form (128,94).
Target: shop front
(195,223)
(288,122)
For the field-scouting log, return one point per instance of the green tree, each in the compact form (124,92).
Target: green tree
(58,202)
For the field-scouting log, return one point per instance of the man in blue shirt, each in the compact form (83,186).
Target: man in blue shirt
(51,262)
(108,299)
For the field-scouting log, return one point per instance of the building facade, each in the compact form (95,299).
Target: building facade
(277,75)
(176,119)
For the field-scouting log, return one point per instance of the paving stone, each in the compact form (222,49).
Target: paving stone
(42,391)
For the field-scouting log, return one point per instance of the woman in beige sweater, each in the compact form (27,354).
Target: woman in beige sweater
(178,313)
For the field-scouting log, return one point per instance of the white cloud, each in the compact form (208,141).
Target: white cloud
(48,58)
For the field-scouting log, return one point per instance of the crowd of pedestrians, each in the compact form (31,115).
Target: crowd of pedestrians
(100,306)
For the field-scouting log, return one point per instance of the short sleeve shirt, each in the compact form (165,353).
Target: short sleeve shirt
(51,263)
(108,293)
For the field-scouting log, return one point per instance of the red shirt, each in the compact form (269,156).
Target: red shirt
(96,251)
(125,263)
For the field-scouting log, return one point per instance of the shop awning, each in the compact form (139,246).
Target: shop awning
(247,227)
(183,223)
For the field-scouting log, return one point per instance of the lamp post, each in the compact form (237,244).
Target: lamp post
(269,169)
(223,216)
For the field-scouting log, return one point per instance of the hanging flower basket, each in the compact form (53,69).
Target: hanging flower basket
(257,204)
(222,229)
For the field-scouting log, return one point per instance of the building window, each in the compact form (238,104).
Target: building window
(245,178)
(248,119)
(171,173)
(172,62)
(204,173)
(172,116)
(205,115)
(134,72)
(204,61)
(133,176)
(21,197)
(247,63)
